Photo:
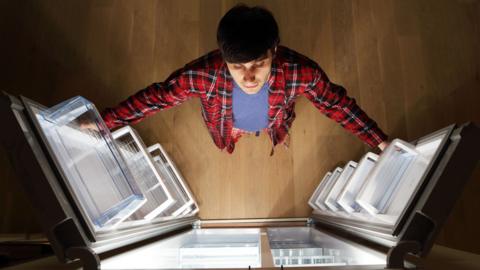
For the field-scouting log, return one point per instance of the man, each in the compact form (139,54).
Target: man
(249,85)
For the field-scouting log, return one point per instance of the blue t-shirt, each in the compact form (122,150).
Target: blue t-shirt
(250,111)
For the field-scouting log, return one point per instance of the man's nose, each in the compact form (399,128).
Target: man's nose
(249,76)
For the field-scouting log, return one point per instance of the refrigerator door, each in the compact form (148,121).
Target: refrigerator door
(82,191)
(152,184)
(186,203)
(407,195)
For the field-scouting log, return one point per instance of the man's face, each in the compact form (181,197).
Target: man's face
(252,75)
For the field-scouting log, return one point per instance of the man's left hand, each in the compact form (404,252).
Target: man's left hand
(383,145)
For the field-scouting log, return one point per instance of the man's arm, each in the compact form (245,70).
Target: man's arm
(332,100)
(158,96)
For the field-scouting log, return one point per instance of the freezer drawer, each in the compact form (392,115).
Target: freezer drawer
(241,248)
(306,246)
(195,249)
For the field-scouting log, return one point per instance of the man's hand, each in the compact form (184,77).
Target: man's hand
(383,145)
(86,122)
(88,126)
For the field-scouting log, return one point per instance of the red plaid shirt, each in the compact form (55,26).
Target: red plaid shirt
(208,78)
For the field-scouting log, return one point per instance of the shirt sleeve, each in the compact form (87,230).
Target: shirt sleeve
(332,100)
(158,96)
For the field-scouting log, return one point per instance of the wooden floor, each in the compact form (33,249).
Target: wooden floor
(414,66)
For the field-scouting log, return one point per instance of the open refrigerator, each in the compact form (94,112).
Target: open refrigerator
(96,191)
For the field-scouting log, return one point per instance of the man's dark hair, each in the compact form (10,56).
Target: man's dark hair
(246,33)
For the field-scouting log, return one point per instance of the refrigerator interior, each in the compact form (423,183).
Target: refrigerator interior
(242,248)
(197,248)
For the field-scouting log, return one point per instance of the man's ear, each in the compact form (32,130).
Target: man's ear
(274,51)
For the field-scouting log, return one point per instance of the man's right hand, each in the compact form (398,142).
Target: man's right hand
(88,126)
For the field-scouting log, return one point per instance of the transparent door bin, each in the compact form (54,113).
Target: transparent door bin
(346,199)
(330,182)
(295,247)
(187,205)
(333,194)
(427,147)
(399,165)
(144,170)
(89,162)
(317,191)
(384,179)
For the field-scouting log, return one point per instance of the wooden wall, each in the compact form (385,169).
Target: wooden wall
(412,65)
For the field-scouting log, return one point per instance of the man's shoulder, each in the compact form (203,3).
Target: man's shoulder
(288,57)
(210,61)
